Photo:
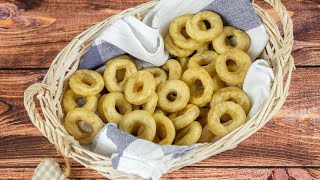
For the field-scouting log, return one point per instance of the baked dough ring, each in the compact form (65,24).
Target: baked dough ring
(206,60)
(70,101)
(139,118)
(86,82)
(199,97)
(184,117)
(175,29)
(208,46)
(173,86)
(243,61)
(111,102)
(111,76)
(100,109)
(165,129)
(149,106)
(140,87)
(159,74)
(74,117)
(206,136)
(227,107)
(174,49)
(232,94)
(243,40)
(189,135)
(173,68)
(196,32)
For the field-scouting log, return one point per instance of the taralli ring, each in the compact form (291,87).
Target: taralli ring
(159,74)
(100,109)
(111,74)
(70,101)
(165,129)
(243,62)
(185,117)
(189,135)
(175,29)
(140,87)
(232,94)
(182,95)
(242,40)
(196,32)
(174,49)
(203,96)
(227,107)
(135,119)
(86,83)
(173,68)
(77,115)
(111,102)
(149,106)
(206,60)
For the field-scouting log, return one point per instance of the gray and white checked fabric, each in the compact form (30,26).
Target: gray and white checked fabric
(48,170)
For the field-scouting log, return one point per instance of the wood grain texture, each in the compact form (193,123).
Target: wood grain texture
(32,32)
(291,139)
(188,173)
(46,27)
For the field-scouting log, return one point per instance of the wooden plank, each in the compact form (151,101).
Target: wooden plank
(35,32)
(188,173)
(290,139)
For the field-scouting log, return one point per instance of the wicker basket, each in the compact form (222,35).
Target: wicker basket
(49,92)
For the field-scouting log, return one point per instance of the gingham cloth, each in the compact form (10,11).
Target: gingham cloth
(48,170)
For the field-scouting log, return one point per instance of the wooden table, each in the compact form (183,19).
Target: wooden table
(32,32)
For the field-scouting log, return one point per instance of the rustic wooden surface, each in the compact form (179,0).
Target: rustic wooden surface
(32,32)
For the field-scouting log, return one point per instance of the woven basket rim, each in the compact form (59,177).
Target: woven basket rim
(277,52)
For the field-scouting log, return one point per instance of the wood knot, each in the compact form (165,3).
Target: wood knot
(7,11)
(13,19)
(4,107)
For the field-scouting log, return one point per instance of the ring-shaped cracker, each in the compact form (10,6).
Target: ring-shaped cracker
(174,49)
(149,106)
(196,32)
(206,136)
(243,62)
(165,129)
(184,63)
(86,82)
(173,68)
(112,102)
(226,107)
(232,94)
(185,117)
(139,118)
(159,74)
(182,95)
(111,76)
(175,29)
(189,135)
(199,97)
(70,101)
(242,40)
(140,87)
(206,60)
(74,117)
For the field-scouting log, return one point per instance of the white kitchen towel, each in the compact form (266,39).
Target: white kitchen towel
(137,156)
(144,40)
(257,85)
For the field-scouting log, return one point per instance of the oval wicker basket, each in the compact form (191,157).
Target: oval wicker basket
(49,92)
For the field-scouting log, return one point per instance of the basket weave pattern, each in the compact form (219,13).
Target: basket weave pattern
(49,92)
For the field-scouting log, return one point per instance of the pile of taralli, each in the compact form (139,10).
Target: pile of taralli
(191,99)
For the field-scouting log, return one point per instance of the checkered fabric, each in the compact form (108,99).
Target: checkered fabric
(49,170)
